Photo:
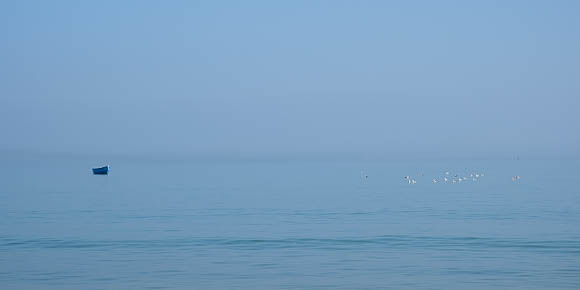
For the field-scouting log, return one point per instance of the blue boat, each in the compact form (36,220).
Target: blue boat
(101,170)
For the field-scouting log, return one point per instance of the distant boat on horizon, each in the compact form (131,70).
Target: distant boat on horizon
(101,170)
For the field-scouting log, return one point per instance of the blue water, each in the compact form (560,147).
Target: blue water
(154,224)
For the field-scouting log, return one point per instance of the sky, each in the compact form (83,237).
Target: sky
(291,78)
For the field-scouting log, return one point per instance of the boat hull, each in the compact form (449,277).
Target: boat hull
(101,170)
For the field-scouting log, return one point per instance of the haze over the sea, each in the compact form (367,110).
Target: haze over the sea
(297,78)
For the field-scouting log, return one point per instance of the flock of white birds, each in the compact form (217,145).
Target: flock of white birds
(447,178)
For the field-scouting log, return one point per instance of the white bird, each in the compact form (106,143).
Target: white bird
(435,180)
(445,179)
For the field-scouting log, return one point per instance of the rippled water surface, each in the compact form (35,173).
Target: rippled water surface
(288,225)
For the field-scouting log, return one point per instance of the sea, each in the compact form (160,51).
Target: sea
(289,224)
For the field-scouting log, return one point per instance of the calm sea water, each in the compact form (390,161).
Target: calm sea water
(288,225)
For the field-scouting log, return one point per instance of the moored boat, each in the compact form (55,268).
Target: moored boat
(101,170)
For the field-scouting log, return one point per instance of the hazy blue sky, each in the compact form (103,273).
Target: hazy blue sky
(385,78)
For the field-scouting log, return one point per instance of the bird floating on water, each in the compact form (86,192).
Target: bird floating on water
(363,176)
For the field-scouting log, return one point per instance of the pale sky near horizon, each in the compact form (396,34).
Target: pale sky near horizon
(391,78)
